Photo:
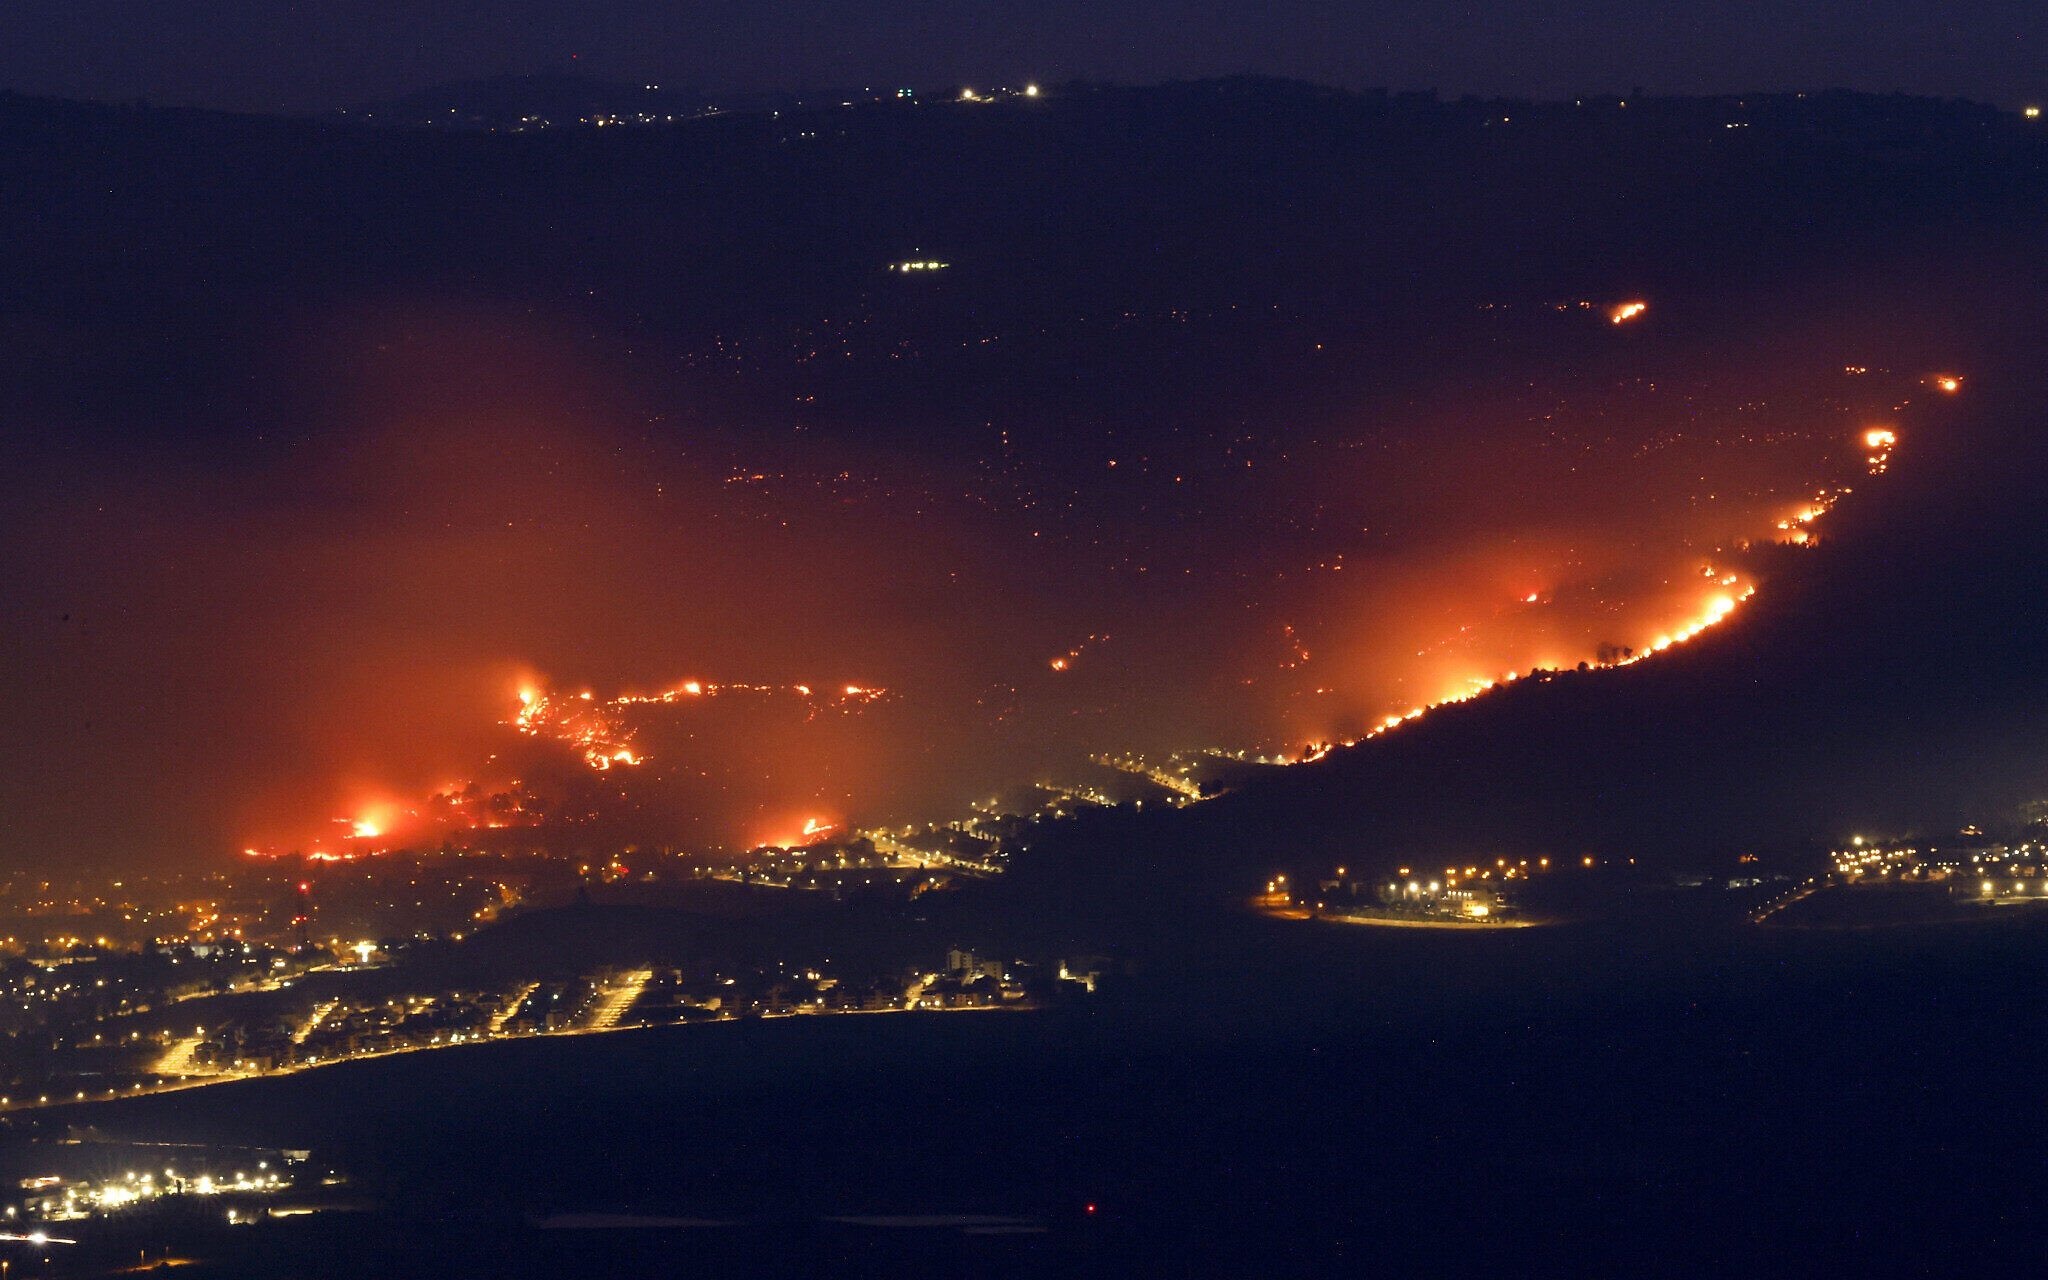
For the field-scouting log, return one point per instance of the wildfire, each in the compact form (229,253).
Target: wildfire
(1298,652)
(1715,608)
(1065,661)
(601,732)
(1626,312)
(813,831)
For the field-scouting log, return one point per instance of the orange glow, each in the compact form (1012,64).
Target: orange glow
(1948,382)
(1444,614)
(814,830)
(1065,661)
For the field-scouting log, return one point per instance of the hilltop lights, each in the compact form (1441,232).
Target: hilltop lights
(1626,312)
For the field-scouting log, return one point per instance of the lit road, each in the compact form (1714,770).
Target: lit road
(612,1005)
(1764,913)
(1274,907)
(885,843)
(184,1048)
(177,1060)
(313,1020)
(504,1015)
(1187,789)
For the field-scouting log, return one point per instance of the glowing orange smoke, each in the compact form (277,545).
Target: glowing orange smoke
(813,831)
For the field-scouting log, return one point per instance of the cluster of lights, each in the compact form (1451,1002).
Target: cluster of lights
(1863,858)
(82,1199)
(967,93)
(2023,863)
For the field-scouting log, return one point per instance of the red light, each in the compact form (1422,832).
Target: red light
(1091,1206)
(305,886)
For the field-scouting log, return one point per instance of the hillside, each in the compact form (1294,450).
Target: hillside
(1887,680)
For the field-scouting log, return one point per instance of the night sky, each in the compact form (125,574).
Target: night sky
(249,55)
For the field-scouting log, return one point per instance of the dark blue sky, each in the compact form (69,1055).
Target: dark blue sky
(253,54)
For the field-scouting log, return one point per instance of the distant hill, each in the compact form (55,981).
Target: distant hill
(1892,681)
(524,103)
(501,102)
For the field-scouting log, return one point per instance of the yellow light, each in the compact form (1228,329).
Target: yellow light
(2032,113)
